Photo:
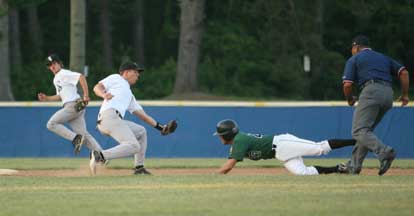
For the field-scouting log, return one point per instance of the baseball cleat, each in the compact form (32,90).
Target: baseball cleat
(141,171)
(106,162)
(96,157)
(77,143)
(386,162)
(342,168)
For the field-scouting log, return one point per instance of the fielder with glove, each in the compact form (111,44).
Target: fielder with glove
(118,98)
(73,112)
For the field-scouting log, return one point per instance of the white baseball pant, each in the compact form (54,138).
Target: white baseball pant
(132,138)
(76,120)
(290,150)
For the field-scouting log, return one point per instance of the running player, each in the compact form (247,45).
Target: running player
(65,82)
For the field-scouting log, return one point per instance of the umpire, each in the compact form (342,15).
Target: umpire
(372,72)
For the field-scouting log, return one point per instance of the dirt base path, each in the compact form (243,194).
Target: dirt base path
(189,171)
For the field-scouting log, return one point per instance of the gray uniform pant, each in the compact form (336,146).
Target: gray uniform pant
(76,120)
(374,101)
(132,138)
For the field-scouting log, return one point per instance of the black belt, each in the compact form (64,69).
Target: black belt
(375,81)
(116,111)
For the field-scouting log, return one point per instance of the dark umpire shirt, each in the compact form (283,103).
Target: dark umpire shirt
(370,65)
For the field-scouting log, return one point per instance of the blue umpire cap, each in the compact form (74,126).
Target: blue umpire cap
(360,40)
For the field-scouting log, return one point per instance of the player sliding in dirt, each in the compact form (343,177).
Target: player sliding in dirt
(285,147)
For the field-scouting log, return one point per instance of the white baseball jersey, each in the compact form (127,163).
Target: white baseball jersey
(65,82)
(123,99)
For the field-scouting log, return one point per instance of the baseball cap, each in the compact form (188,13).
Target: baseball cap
(360,40)
(131,66)
(52,58)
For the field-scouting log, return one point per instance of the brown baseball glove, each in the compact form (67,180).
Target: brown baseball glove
(169,128)
(80,105)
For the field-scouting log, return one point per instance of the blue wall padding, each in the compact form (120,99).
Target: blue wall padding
(24,133)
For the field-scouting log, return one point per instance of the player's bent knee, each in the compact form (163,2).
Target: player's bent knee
(50,125)
(298,168)
(144,132)
(137,146)
(306,171)
(298,171)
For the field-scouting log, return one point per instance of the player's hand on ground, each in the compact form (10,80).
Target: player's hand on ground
(404,100)
(108,96)
(41,96)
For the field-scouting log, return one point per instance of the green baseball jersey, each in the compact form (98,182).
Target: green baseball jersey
(252,146)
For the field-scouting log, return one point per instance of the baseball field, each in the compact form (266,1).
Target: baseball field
(63,186)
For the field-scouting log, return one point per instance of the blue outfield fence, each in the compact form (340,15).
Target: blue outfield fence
(24,132)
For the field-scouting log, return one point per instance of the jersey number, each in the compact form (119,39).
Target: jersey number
(255,135)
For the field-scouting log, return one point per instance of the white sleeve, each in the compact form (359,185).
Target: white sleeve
(108,81)
(71,77)
(134,105)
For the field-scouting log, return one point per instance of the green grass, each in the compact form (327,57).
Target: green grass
(207,194)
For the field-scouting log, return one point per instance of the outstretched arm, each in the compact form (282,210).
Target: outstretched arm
(164,129)
(227,167)
(405,84)
(145,117)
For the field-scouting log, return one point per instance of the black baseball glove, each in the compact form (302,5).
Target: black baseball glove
(169,128)
(80,105)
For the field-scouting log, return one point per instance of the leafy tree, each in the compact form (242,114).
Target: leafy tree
(250,49)
(77,35)
(5,87)
(191,29)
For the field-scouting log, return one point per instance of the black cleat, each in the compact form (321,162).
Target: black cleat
(77,143)
(386,162)
(96,157)
(141,171)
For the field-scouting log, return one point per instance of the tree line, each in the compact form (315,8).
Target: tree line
(245,49)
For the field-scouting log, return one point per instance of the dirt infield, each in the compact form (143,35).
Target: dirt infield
(188,171)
